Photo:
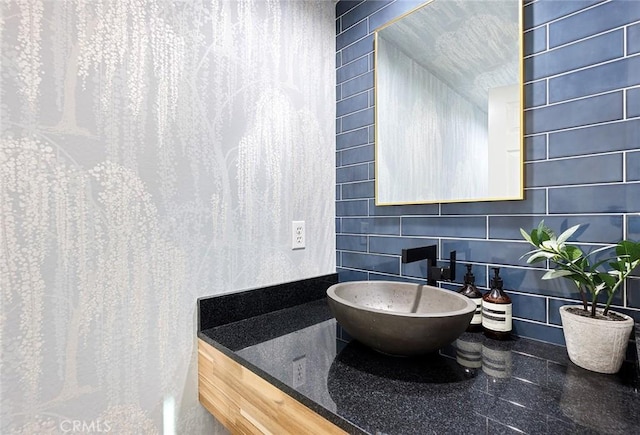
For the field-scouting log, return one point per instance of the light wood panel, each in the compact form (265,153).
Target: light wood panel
(245,403)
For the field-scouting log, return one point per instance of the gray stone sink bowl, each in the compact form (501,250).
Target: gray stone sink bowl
(400,318)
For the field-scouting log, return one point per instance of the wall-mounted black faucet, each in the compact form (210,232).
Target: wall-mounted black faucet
(430,253)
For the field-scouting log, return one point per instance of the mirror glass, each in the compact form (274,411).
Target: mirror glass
(448,83)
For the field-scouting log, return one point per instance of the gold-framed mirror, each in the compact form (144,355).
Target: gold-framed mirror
(449,104)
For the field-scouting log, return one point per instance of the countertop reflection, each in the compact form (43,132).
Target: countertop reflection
(476,385)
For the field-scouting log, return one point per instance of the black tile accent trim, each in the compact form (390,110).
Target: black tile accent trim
(249,332)
(222,309)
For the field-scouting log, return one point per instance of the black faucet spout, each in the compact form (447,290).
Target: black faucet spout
(430,253)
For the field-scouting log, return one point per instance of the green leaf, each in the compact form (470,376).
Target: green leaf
(550,245)
(534,237)
(573,252)
(608,279)
(617,266)
(627,257)
(541,233)
(568,233)
(605,260)
(546,234)
(556,273)
(529,253)
(627,247)
(634,250)
(584,280)
(535,234)
(526,236)
(539,256)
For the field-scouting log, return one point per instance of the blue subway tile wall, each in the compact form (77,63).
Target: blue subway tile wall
(633,166)
(352,69)
(535,40)
(603,168)
(600,78)
(546,11)
(590,21)
(594,50)
(582,158)
(615,136)
(633,102)
(633,39)
(575,113)
(536,93)
(535,147)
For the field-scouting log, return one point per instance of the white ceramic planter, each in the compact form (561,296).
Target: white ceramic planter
(595,344)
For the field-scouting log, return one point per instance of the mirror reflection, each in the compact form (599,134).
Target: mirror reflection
(449,103)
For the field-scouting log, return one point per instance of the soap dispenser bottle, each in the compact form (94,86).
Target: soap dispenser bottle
(496,310)
(470,290)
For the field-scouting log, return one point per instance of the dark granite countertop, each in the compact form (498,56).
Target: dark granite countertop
(477,385)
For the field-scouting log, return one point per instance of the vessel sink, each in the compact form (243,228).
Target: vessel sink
(400,318)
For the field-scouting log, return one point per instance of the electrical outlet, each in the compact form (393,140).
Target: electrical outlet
(299,371)
(298,236)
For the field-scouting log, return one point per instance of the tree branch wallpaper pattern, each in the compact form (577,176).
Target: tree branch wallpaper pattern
(151,152)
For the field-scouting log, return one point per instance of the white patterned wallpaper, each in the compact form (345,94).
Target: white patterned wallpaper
(151,152)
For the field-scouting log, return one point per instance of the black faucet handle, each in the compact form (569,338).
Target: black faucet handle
(452,266)
(445,273)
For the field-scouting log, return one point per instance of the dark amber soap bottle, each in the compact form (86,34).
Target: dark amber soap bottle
(470,290)
(496,310)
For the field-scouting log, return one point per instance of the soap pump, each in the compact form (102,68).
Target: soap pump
(470,290)
(496,310)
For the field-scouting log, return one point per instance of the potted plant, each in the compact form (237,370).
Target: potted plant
(596,337)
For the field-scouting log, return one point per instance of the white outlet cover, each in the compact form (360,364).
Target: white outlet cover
(298,235)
